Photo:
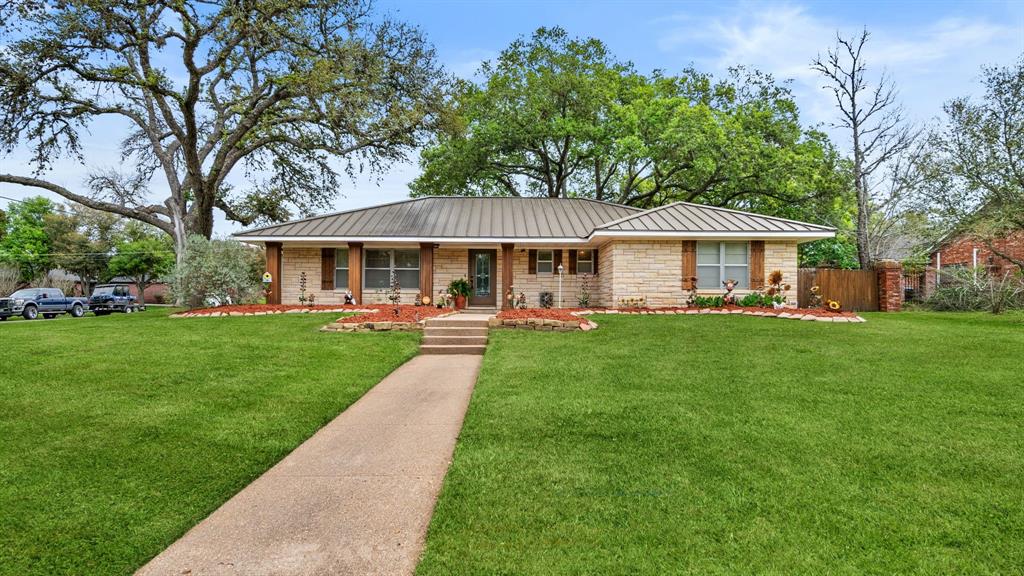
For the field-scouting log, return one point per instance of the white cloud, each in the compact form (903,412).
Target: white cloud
(931,61)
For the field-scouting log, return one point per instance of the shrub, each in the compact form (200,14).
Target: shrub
(583,297)
(976,289)
(216,272)
(10,280)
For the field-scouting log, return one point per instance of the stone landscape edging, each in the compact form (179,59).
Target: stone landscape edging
(381,325)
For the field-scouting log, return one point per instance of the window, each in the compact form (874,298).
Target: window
(721,261)
(341,269)
(378,265)
(585,262)
(545,262)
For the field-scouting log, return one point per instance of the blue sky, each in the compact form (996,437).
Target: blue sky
(932,50)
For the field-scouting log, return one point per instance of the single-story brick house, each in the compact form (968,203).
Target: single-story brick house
(518,245)
(965,251)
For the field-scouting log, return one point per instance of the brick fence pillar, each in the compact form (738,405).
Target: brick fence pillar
(890,285)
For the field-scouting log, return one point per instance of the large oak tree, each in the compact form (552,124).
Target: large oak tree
(295,92)
(559,116)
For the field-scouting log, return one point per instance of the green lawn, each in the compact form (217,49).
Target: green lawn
(735,445)
(118,434)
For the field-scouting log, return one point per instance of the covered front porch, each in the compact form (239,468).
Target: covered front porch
(499,273)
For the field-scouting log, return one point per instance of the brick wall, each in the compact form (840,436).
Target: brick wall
(296,260)
(960,252)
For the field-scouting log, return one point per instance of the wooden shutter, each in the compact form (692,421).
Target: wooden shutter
(573,255)
(689,264)
(556,260)
(532,262)
(756,264)
(593,254)
(327,268)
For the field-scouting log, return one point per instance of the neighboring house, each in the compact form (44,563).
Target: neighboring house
(964,251)
(498,243)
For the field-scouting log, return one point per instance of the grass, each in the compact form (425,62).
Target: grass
(118,434)
(734,445)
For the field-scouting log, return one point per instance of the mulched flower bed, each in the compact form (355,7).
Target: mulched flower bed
(542,313)
(794,313)
(406,313)
(261,309)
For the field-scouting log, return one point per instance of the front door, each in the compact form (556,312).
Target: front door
(483,270)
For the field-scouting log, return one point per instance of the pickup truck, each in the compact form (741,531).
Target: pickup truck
(31,302)
(107,298)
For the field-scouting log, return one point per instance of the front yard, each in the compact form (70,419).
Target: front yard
(734,445)
(118,434)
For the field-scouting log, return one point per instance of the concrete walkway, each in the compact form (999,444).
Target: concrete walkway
(356,498)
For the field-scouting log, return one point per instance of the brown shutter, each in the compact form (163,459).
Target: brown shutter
(327,268)
(573,255)
(689,263)
(756,264)
(594,256)
(532,263)
(556,260)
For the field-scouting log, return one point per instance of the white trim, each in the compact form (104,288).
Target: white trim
(654,235)
(696,235)
(399,239)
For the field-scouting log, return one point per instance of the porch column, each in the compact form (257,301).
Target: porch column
(274,266)
(507,277)
(427,270)
(355,271)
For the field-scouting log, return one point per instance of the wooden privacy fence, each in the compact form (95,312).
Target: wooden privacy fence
(856,290)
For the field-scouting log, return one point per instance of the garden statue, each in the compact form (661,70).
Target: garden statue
(729,298)
(349,299)
(521,303)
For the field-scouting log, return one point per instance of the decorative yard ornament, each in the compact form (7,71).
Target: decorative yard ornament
(729,297)
(349,298)
(267,278)
(561,270)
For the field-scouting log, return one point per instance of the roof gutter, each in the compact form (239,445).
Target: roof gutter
(696,235)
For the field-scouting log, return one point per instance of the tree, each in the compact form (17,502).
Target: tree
(144,256)
(558,116)
(535,124)
(81,241)
(879,133)
(25,245)
(282,88)
(975,160)
(217,272)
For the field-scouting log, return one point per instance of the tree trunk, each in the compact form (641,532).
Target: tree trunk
(863,244)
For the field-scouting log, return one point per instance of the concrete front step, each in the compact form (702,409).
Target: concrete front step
(455,331)
(476,349)
(430,340)
(455,322)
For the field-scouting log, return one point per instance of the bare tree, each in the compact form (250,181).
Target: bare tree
(279,88)
(879,132)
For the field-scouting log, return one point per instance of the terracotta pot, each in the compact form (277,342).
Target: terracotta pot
(460,302)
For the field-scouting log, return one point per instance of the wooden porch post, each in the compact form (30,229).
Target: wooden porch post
(274,266)
(507,277)
(427,270)
(355,271)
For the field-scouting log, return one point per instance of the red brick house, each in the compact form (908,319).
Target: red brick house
(963,251)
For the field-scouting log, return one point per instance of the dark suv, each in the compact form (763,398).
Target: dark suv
(107,298)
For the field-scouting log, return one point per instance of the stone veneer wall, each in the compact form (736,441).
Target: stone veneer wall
(452,263)
(626,269)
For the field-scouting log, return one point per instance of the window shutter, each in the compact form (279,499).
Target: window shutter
(327,268)
(556,260)
(756,264)
(689,264)
(594,256)
(573,255)
(532,262)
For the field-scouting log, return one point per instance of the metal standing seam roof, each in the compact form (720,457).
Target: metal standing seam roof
(684,216)
(458,217)
(468,217)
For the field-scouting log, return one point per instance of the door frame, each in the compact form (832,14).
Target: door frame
(474,300)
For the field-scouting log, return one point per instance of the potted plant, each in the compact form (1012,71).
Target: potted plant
(459,289)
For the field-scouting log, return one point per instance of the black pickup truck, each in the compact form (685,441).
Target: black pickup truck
(31,302)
